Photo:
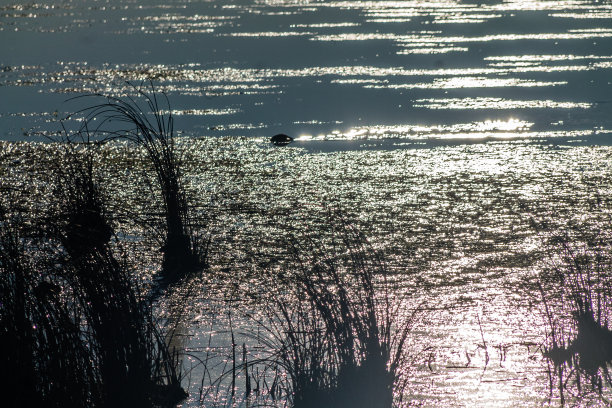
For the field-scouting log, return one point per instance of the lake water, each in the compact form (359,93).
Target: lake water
(403,70)
(442,128)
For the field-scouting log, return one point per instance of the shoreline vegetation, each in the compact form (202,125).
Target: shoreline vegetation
(142,121)
(95,293)
(576,290)
(75,328)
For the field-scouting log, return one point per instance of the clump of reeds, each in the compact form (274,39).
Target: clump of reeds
(148,123)
(336,326)
(576,290)
(83,334)
(44,360)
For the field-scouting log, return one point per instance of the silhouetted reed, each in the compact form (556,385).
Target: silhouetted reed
(84,335)
(44,360)
(338,330)
(150,125)
(576,290)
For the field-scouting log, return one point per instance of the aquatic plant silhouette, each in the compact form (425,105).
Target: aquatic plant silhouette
(337,330)
(576,291)
(43,358)
(84,335)
(150,125)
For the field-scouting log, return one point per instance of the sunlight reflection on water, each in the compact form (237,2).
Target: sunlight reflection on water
(452,219)
(453,223)
(298,67)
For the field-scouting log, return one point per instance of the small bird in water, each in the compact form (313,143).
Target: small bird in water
(281,139)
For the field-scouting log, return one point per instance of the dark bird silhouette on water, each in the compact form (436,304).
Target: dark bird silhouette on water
(281,139)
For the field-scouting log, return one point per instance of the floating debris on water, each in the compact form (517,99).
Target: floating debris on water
(281,139)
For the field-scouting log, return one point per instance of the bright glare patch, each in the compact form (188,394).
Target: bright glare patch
(545,58)
(488,129)
(476,130)
(269,34)
(204,112)
(469,82)
(324,25)
(432,50)
(497,103)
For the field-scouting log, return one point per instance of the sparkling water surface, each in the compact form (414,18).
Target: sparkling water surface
(371,70)
(441,128)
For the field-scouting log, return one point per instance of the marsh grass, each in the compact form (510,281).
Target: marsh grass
(576,290)
(81,331)
(237,374)
(44,360)
(147,122)
(338,329)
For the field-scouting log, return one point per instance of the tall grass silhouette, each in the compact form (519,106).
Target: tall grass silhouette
(339,331)
(576,290)
(81,333)
(146,120)
(44,360)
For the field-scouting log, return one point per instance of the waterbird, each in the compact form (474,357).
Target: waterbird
(281,139)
